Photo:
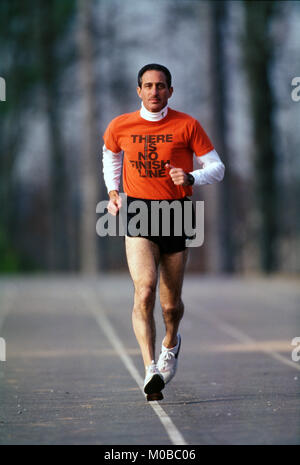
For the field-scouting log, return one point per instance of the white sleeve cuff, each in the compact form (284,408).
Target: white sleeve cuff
(211,171)
(112,169)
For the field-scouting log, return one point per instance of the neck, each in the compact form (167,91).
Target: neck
(151,116)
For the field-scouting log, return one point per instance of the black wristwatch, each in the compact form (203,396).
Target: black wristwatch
(191,179)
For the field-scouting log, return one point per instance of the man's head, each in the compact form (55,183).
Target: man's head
(154,86)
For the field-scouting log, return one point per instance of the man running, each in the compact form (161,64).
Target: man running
(157,144)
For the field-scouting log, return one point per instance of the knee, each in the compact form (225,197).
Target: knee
(144,296)
(172,309)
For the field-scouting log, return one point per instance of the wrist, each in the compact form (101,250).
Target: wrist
(113,194)
(190,179)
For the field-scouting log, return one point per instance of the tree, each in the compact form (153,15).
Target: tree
(258,53)
(224,201)
(19,68)
(52,19)
(30,33)
(90,146)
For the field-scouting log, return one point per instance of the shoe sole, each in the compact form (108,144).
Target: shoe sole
(154,385)
(154,396)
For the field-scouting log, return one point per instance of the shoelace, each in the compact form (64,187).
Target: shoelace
(152,369)
(166,356)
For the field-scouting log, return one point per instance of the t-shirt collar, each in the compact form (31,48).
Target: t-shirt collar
(150,116)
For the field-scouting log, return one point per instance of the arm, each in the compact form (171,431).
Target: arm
(112,169)
(212,170)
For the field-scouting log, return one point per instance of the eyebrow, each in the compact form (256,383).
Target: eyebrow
(159,82)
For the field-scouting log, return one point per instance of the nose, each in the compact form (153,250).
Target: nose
(154,91)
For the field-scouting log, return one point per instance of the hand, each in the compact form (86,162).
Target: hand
(179,177)
(115,203)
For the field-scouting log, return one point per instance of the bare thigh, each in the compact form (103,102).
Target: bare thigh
(172,268)
(143,259)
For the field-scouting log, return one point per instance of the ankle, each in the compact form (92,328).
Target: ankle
(149,365)
(170,343)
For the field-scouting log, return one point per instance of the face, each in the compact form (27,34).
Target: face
(154,91)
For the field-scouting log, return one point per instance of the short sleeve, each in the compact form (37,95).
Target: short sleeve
(110,139)
(199,140)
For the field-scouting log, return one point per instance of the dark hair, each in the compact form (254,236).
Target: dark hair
(156,67)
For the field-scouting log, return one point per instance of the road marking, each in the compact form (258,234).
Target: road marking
(108,330)
(257,346)
(243,338)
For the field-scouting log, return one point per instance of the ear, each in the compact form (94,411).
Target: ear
(171,92)
(139,90)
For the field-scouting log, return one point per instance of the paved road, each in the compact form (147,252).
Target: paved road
(73,367)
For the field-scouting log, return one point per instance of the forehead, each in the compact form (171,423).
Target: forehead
(154,76)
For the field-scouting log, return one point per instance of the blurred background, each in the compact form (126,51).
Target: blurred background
(70,67)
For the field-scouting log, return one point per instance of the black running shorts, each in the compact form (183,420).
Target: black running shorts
(170,243)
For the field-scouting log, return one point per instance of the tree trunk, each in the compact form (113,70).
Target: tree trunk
(58,244)
(258,56)
(91,147)
(222,193)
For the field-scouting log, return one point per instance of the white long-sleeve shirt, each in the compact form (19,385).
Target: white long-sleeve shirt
(211,169)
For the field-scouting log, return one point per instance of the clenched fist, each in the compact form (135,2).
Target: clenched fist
(179,177)
(115,203)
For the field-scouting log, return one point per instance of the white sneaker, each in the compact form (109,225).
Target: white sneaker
(168,360)
(154,381)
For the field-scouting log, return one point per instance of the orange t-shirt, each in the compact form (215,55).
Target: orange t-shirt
(149,145)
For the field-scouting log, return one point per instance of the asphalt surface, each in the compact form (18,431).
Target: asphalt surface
(73,365)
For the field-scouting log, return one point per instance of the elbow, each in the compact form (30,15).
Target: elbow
(221,172)
(218,173)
